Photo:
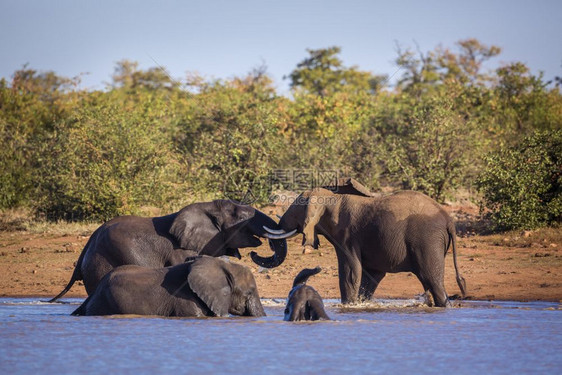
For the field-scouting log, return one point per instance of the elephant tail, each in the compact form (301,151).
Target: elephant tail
(303,276)
(77,274)
(453,240)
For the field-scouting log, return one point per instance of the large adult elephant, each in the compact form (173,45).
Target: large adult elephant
(403,232)
(203,286)
(208,228)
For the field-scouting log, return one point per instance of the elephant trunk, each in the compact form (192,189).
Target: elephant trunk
(278,246)
(309,237)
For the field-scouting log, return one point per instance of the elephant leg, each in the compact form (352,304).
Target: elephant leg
(439,294)
(349,270)
(426,293)
(430,268)
(435,286)
(369,282)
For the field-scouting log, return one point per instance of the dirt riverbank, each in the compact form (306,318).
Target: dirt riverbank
(521,266)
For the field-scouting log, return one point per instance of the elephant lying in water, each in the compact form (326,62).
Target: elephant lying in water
(304,302)
(209,228)
(403,232)
(204,286)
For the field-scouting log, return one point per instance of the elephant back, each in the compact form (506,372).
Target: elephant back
(408,203)
(348,185)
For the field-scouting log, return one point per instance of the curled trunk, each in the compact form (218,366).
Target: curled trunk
(278,246)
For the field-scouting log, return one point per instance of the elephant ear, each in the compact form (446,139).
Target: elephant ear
(193,228)
(212,283)
(348,185)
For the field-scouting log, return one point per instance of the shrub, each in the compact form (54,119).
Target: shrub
(429,150)
(230,138)
(30,105)
(108,160)
(522,184)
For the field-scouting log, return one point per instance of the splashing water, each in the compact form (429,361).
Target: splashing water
(378,336)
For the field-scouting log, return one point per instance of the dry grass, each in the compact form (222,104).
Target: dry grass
(16,219)
(550,237)
(63,228)
(25,220)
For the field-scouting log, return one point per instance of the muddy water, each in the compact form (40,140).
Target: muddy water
(393,336)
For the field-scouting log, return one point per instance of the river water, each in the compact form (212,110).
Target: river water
(387,336)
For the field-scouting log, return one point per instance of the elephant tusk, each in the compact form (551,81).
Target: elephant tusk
(274,231)
(280,236)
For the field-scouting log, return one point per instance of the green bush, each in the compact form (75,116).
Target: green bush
(522,184)
(322,131)
(108,160)
(152,140)
(30,105)
(430,149)
(230,138)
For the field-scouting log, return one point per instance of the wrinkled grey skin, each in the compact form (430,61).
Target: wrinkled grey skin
(403,232)
(304,302)
(204,286)
(209,228)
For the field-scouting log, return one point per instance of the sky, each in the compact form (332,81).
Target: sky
(221,39)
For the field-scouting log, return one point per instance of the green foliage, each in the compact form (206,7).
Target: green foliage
(429,152)
(29,107)
(232,137)
(426,71)
(523,103)
(152,140)
(323,130)
(104,161)
(323,74)
(522,184)
(127,75)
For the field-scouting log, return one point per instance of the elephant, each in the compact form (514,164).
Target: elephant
(203,286)
(304,302)
(214,228)
(403,232)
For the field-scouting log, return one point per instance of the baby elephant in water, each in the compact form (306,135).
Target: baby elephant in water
(203,286)
(304,303)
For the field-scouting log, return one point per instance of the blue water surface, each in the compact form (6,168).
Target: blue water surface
(390,336)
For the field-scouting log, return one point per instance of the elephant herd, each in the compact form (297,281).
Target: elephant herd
(170,265)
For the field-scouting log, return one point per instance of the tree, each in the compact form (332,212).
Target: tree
(523,101)
(127,75)
(466,66)
(422,71)
(323,74)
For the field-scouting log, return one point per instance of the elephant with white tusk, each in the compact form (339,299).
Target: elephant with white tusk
(403,232)
(214,228)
